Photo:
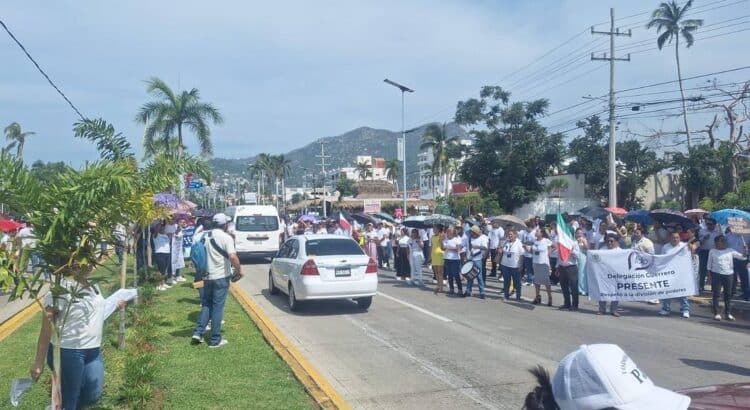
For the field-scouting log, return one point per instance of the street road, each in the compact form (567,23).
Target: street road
(414,349)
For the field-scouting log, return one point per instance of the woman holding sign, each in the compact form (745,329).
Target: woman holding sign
(611,242)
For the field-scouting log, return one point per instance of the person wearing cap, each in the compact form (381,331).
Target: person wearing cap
(721,267)
(477,245)
(612,243)
(597,377)
(221,258)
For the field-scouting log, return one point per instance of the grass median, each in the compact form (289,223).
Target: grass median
(246,373)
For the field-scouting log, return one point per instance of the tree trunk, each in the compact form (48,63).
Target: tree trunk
(123,279)
(682,91)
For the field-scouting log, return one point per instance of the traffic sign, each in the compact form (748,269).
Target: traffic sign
(195,185)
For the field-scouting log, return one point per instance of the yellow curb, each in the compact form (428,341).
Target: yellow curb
(318,387)
(14,322)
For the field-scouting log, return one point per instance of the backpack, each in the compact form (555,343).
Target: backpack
(199,255)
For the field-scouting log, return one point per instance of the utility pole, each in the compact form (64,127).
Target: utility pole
(322,165)
(612,33)
(402,141)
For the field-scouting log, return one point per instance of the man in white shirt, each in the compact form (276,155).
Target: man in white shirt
(478,245)
(527,237)
(721,266)
(706,236)
(221,258)
(642,243)
(496,235)
(666,304)
(384,246)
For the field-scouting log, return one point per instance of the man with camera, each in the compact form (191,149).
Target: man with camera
(221,259)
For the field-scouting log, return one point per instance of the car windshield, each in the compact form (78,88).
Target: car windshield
(256,223)
(328,247)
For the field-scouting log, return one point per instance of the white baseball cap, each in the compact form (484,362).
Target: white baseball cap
(602,375)
(221,219)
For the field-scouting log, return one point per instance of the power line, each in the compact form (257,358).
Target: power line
(42,71)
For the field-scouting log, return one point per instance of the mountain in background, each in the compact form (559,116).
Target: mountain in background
(342,151)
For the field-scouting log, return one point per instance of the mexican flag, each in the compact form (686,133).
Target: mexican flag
(565,240)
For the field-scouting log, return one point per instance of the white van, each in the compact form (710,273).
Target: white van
(257,230)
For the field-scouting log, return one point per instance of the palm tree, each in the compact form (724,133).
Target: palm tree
(392,167)
(171,112)
(670,17)
(262,170)
(436,138)
(279,168)
(16,138)
(363,170)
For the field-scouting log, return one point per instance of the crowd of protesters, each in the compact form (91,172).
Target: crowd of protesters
(528,256)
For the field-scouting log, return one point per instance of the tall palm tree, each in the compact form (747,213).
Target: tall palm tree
(670,17)
(436,138)
(170,113)
(363,170)
(16,138)
(262,169)
(280,168)
(392,168)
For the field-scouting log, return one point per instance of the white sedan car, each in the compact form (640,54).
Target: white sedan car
(311,267)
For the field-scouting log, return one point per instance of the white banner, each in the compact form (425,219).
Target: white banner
(371,206)
(627,274)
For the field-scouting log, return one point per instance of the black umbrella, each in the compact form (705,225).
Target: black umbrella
(384,216)
(600,214)
(473,222)
(438,219)
(364,218)
(670,217)
(415,222)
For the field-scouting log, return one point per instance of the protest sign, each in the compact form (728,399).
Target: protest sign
(631,275)
(371,206)
(740,226)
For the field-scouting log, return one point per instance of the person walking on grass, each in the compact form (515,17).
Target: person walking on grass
(540,250)
(436,256)
(721,268)
(221,258)
(163,255)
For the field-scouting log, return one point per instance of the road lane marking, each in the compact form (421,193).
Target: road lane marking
(455,381)
(417,308)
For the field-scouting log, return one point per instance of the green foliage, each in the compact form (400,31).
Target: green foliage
(701,173)
(637,163)
(347,187)
(47,172)
(589,153)
(473,202)
(297,198)
(364,170)
(708,204)
(670,18)
(556,186)
(512,152)
(444,148)
(16,139)
(170,112)
(673,205)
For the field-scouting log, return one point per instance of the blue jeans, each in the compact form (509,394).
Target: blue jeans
(666,304)
(480,279)
(81,376)
(212,307)
(508,274)
(528,267)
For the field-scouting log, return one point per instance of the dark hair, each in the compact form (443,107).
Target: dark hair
(720,238)
(541,398)
(711,221)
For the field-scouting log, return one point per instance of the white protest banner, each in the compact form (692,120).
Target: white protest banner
(371,206)
(631,275)
(740,226)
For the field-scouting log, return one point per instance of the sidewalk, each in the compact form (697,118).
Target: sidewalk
(8,309)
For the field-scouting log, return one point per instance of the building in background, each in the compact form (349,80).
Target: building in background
(434,186)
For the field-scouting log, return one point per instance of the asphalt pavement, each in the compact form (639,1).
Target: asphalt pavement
(413,349)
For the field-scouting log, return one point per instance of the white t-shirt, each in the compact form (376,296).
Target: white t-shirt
(451,248)
(414,246)
(170,229)
(527,238)
(721,261)
(540,251)
(373,236)
(403,242)
(667,247)
(707,238)
(644,245)
(512,252)
(496,235)
(476,244)
(161,243)
(28,240)
(424,235)
(85,322)
(383,236)
(219,266)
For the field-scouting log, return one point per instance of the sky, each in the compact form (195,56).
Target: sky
(286,73)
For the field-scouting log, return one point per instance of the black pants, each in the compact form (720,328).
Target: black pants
(484,271)
(426,252)
(717,283)
(396,260)
(493,254)
(453,271)
(380,255)
(569,285)
(702,269)
(403,256)
(740,274)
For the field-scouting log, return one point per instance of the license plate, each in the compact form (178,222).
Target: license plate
(341,272)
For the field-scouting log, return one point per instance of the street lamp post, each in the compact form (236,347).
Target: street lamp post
(403,89)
